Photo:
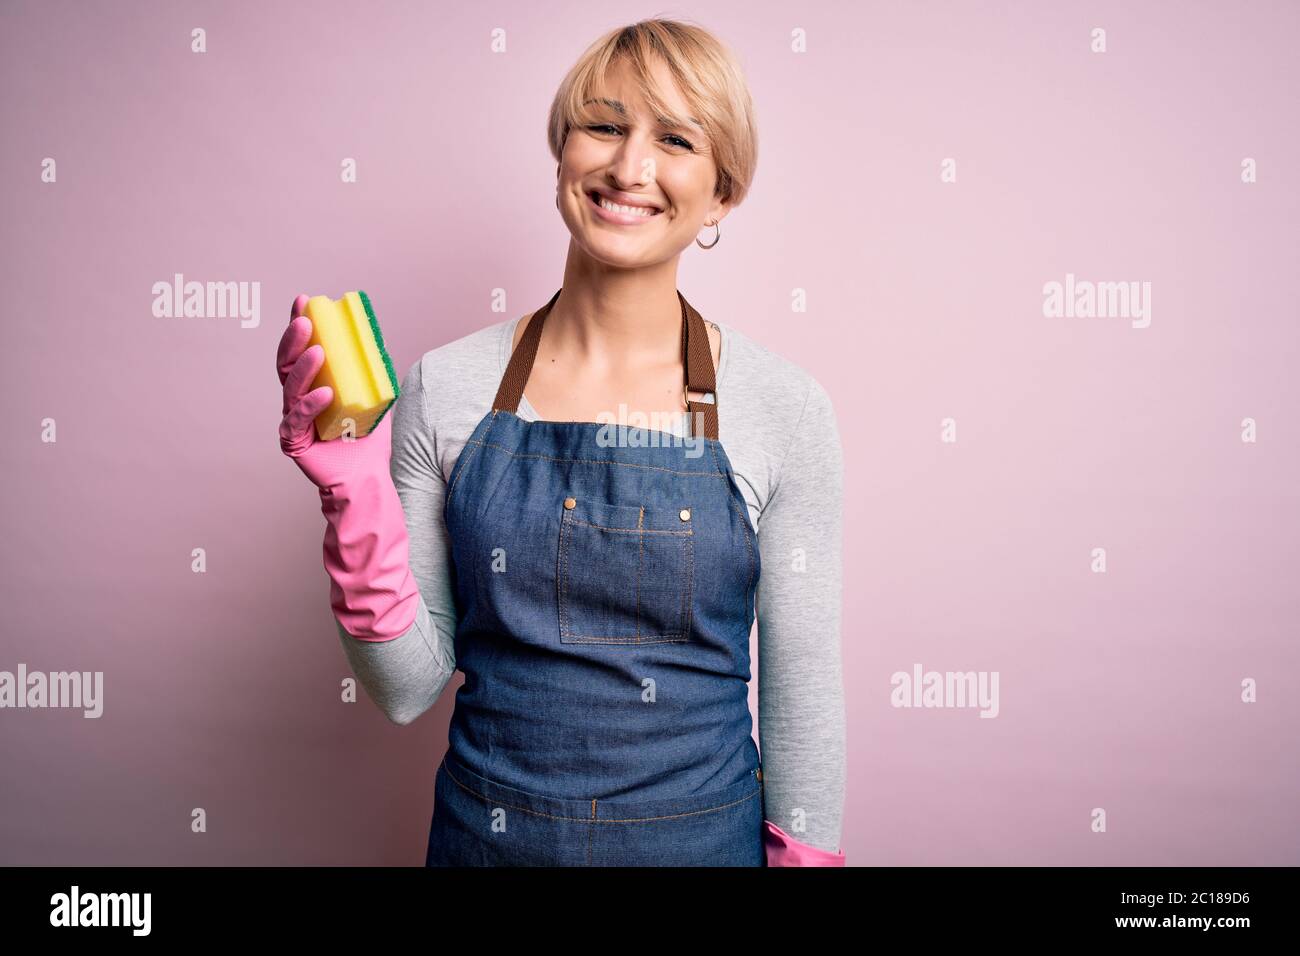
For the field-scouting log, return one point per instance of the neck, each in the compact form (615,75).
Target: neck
(619,315)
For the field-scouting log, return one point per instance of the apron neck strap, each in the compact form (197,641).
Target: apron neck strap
(697,359)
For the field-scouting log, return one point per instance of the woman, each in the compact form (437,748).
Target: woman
(597,584)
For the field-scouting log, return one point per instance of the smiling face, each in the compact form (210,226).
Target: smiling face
(656,181)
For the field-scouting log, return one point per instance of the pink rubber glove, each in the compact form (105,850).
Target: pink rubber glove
(784,850)
(372,590)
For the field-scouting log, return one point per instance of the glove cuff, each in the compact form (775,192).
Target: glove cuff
(373,593)
(781,849)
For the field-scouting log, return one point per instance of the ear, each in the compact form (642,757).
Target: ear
(718,211)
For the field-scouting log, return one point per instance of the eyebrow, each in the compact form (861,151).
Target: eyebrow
(618,107)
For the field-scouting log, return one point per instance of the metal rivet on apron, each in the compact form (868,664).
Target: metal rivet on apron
(685,514)
(569,502)
(758,774)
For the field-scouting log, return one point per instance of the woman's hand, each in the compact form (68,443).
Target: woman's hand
(327,464)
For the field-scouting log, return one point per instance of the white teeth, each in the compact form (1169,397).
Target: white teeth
(627,210)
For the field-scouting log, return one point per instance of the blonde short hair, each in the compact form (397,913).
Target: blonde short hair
(706,72)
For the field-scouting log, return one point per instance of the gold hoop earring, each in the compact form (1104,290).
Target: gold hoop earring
(716,237)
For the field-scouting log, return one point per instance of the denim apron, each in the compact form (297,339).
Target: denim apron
(604,578)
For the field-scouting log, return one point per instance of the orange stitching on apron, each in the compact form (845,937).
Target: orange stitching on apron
(561,572)
(689,597)
(594,461)
(749,548)
(640,561)
(674,638)
(592,819)
(462,468)
(641,531)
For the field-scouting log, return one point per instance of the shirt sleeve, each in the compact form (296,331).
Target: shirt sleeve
(406,676)
(800,682)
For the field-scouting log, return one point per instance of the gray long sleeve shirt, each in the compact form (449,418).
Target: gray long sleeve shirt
(779,430)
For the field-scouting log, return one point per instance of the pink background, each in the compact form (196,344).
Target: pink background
(1117,690)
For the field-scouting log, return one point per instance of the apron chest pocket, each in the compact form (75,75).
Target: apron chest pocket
(625,573)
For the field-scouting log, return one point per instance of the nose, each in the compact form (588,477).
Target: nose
(633,164)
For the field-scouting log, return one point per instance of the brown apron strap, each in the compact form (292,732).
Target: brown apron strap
(697,360)
(520,365)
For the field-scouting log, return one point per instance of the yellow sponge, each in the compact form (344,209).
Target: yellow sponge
(356,366)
